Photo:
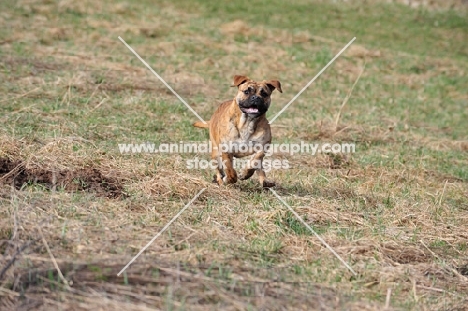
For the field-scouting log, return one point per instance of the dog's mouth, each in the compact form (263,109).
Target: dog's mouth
(252,109)
(253,106)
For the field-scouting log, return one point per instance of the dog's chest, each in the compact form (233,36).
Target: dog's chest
(247,133)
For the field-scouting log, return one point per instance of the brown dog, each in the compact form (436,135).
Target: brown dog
(238,124)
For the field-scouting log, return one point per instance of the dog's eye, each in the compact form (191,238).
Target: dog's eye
(246,92)
(263,93)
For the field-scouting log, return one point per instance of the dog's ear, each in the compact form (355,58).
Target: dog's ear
(238,80)
(274,84)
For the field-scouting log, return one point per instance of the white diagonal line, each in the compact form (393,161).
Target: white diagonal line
(163,229)
(315,233)
(312,81)
(162,80)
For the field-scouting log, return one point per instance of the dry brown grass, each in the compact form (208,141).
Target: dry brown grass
(397,260)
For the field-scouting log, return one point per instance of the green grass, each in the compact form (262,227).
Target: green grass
(383,25)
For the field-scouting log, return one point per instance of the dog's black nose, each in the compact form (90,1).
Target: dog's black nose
(255,100)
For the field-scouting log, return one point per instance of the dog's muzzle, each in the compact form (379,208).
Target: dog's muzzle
(255,105)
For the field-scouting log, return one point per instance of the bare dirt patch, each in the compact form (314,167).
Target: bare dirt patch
(87,179)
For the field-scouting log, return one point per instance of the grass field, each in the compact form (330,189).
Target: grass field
(74,210)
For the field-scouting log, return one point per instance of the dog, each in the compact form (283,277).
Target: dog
(242,121)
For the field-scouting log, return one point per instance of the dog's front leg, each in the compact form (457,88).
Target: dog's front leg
(231,175)
(227,174)
(262,179)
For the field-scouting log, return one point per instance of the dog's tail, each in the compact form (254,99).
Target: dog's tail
(201,124)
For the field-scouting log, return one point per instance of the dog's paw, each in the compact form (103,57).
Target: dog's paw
(229,179)
(268,184)
(217,181)
(246,174)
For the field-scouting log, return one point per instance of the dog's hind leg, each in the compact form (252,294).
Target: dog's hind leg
(249,170)
(218,177)
(256,165)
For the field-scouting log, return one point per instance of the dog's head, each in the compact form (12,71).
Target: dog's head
(253,97)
